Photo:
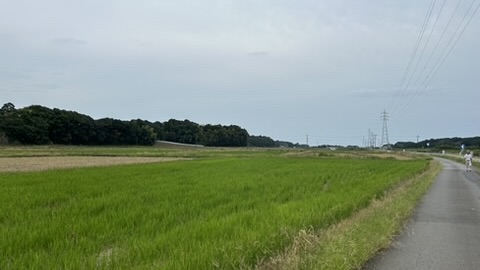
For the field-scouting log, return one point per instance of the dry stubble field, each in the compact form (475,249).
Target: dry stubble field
(21,164)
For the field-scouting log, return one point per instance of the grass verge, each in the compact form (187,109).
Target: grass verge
(352,242)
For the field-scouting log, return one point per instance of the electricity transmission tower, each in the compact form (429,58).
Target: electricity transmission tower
(385,143)
(371,142)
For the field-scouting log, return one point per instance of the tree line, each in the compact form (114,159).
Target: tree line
(37,124)
(443,143)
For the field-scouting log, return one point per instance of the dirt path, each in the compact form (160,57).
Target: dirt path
(20,164)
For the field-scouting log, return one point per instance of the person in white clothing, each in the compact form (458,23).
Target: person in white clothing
(468,161)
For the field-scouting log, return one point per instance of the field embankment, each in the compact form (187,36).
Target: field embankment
(238,210)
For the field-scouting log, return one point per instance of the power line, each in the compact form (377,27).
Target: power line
(413,55)
(455,43)
(440,39)
(409,83)
(425,45)
(441,59)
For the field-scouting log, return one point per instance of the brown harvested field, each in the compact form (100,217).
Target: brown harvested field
(20,164)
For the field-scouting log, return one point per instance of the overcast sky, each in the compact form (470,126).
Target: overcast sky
(284,69)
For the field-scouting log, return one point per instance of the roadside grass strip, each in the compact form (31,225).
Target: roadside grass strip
(228,213)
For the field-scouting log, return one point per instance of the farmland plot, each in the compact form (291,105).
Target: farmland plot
(223,213)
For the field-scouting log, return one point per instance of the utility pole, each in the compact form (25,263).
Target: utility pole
(385,143)
(307,139)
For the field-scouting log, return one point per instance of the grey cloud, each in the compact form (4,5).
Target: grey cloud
(68,41)
(258,53)
(45,86)
(372,94)
(14,75)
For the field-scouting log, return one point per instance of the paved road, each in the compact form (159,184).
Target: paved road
(445,230)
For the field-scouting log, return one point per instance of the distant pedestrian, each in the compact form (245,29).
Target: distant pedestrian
(468,161)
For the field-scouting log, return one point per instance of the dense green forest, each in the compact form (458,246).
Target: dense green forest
(41,125)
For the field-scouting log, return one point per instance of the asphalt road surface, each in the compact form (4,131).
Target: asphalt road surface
(444,232)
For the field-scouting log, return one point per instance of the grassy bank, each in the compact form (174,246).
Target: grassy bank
(225,213)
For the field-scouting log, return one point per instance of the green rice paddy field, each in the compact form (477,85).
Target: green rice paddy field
(224,211)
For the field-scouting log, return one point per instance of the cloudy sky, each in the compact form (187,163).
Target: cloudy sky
(284,69)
